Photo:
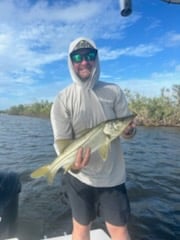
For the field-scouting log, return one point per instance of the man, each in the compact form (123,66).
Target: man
(92,185)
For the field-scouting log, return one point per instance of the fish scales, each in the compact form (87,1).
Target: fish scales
(98,139)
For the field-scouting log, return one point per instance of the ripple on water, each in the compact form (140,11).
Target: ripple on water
(152,159)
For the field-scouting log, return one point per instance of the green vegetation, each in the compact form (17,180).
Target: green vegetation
(38,109)
(158,111)
(2,111)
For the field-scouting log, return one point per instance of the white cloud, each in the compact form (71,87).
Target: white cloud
(141,50)
(174,39)
(152,85)
(34,36)
(27,31)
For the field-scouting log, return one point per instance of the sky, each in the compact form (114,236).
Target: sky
(140,52)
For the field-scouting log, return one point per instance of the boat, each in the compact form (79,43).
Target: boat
(96,234)
(10,187)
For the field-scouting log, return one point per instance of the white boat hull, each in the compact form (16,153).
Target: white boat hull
(97,234)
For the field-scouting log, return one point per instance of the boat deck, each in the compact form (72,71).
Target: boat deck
(97,234)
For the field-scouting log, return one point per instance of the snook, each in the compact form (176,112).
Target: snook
(98,139)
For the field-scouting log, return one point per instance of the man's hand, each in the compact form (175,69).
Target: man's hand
(82,159)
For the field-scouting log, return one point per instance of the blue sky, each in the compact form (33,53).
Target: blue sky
(140,52)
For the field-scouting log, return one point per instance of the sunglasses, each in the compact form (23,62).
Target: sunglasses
(89,56)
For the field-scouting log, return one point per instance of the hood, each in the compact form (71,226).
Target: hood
(89,83)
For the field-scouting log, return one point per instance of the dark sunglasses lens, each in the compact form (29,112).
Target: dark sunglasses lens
(90,56)
(76,58)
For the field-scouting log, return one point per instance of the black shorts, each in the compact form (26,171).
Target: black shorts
(87,202)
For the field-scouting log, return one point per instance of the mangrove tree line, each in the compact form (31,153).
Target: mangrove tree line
(162,110)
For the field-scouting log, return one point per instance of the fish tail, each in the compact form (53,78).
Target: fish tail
(50,177)
(44,172)
(40,172)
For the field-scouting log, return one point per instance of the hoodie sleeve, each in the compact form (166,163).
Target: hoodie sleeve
(61,122)
(121,105)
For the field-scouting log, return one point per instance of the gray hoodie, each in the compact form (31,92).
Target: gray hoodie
(83,105)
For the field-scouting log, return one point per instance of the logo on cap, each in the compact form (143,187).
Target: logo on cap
(83,44)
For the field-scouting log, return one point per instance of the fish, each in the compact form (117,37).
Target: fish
(98,139)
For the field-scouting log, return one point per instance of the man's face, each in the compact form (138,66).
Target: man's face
(83,61)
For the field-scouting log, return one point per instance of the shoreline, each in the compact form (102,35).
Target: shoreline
(140,122)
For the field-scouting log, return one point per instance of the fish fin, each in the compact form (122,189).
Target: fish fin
(103,151)
(43,172)
(50,177)
(40,172)
(67,167)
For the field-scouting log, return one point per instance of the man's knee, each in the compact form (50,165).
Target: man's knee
(118,232)
(80,232)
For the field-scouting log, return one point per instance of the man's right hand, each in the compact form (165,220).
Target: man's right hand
(82,159)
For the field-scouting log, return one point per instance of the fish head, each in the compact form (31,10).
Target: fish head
(114,128)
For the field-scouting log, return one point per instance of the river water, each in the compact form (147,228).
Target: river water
(153,180)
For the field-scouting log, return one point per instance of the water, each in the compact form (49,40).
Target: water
(153,180)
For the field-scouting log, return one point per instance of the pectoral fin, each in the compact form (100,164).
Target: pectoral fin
(103,151)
